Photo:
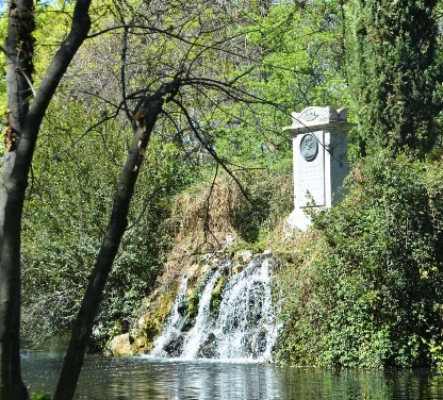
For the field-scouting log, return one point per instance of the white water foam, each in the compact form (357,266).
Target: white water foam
(245,328)
(173,326)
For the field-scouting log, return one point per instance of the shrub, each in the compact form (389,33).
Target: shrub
(375,295)
(44,396)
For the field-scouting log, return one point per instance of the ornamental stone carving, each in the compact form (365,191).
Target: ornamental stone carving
(309,147)
(312,118)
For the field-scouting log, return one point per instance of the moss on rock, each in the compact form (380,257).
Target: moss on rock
(150,325)
(216,295)
(194,299)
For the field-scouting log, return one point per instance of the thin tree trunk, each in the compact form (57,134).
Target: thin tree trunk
(22,129)
(118,222)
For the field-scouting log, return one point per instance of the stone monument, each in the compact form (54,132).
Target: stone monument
(320,160)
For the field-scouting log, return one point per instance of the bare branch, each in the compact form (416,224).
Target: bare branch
(210,149)
(90,129)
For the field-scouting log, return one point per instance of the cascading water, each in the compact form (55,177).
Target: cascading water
(241,326)
(246,324)
(174,325)
(198,333)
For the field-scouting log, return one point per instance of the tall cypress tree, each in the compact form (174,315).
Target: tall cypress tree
(395,73)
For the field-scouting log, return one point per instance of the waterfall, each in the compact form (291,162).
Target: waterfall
(241,324)
(246,324)
(199,332)
(173,326)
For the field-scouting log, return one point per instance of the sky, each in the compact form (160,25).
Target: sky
(3,4)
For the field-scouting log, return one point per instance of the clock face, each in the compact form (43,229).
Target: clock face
(309,147)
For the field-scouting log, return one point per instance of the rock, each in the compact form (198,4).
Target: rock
(225,270)
(183,307)
(236,269)
(194,299)
(208,349)
(206,257)
(244,256)
(193,272)
(107,353)
(174,348)
(140,323)
(121,346)
(216,295)
(205,268)
(152,327)
(267,253)
(139,343)
(240,261)
(230,240)
(197,272)
(188,325)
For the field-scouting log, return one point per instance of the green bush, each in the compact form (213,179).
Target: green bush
(373,296)
(44,396)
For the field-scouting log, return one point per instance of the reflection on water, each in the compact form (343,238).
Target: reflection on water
(143,378)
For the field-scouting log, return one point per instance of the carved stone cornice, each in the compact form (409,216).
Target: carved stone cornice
(318,118)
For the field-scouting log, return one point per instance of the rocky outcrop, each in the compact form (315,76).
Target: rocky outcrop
(121,345)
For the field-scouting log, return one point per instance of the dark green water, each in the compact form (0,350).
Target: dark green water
(141,378)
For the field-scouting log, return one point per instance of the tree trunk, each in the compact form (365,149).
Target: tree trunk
(118,221)
(19,47)
(21,133)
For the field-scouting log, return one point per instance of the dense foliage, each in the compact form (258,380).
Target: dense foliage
(395,73)
(67,216)
(368,293)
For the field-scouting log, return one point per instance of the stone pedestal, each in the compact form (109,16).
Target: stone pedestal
(320,160)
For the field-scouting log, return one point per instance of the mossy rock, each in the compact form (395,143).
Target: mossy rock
(216,295)
(139,343)
(121,345)
(183,307)
(238,268)
(194,299)
(164,305)
(188,325)
(152,327)
(155,319)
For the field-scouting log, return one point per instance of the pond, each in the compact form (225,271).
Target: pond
(140,378)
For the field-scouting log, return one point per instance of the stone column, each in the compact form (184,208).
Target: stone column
(320,160)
